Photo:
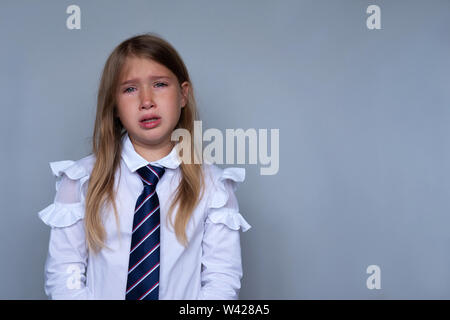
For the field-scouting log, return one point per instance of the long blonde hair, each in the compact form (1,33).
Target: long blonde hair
(108,133)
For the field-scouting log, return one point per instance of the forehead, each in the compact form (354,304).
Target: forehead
(136,67)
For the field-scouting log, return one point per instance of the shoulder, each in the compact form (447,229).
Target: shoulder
(222,204)
(216,176)
(220,182)
(73,169)
(71,181)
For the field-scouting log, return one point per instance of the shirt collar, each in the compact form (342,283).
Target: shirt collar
(135,161)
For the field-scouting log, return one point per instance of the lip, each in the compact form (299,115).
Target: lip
(149,125)
(149,116)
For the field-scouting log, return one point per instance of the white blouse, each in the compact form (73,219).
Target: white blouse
(209,268)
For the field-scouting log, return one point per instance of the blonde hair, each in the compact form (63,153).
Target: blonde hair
(108,133)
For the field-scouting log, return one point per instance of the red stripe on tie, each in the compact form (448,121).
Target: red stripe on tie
(148,214)
(140,298)
(151,269)
(143,238)
(145,255)
(156,174)
(148,182)
(139,206)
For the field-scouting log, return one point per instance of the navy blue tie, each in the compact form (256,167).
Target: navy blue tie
(143,267)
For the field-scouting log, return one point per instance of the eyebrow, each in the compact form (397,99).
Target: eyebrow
(137,79)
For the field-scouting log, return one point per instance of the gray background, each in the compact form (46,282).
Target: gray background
(364,132)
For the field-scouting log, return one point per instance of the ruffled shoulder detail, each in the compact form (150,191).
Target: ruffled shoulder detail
(223,206)
(63,214)
(73,170)
(233,175)
(232,219)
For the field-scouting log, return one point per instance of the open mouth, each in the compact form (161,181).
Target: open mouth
(150,120)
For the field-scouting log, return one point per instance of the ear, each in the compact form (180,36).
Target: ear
(185,87)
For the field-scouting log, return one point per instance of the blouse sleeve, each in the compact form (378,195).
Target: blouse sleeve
(65,266)
(221,260)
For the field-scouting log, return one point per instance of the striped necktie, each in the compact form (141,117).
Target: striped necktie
(143,267)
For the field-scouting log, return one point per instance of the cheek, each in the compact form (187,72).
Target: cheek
(175,112)
(123,113)
(124,104)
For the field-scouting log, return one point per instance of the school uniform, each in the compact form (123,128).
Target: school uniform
(209,268)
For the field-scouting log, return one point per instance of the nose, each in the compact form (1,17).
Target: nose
(146,98)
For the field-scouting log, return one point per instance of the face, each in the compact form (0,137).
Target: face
(148,89)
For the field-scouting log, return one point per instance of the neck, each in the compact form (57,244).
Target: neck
(152,152)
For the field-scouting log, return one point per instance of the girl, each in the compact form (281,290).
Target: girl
(132,220)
